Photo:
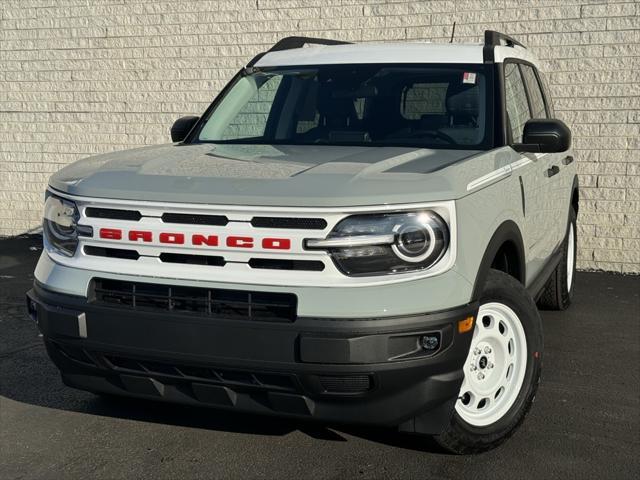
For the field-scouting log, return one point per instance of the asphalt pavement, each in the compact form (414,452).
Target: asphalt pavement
(585,422)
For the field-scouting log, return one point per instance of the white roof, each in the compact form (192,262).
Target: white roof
(374,53)
(400,52)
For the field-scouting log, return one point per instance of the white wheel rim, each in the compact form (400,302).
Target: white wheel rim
(495,367)
(570,257)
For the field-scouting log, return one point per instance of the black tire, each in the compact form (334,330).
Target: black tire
(558,293)
(461,437)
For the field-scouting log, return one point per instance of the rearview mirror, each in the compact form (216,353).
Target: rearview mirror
(182,127)
(542,135)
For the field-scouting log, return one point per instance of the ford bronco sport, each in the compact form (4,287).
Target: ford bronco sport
(349,233)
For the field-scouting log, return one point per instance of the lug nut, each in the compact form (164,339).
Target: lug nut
(477,351)
(489,365)
(481,376)
(487,349)
(473,368)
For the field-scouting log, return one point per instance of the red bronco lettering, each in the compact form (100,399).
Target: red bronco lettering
(196,239)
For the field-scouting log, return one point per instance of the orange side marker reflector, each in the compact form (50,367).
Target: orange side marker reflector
(465,325)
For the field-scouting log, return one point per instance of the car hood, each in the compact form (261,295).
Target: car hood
(272,175)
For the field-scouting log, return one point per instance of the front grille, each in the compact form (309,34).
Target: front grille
(211,260)
(179,371)
(111,252)
(289,222)
(348,384)
(113,213)
(192,219)
(231,378)
(209,302)
(284,264)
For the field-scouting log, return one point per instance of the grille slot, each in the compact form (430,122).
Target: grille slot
(75,353)
(111,252)
(191,219)
(215,303)
(348,384)
(278,264)
(210,260)
(231,378)
(289,222)
(113,213)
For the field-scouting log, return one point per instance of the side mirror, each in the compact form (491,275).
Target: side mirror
(544,136)
(182,127)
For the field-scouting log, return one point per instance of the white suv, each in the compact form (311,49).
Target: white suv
(349,233)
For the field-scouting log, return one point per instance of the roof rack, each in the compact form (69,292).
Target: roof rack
(497,39)
(289,43)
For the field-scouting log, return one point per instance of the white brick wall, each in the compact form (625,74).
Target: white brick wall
(79,77)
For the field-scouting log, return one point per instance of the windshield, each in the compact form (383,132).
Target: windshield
(426,105)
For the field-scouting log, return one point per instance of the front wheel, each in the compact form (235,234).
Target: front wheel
(502,370)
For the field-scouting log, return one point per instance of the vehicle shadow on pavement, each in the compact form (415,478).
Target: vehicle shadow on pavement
(45,389)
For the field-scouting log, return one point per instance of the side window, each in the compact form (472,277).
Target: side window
(547,97)
(516,101)
(535,93)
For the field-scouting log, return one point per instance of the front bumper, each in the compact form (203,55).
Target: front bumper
(357,370)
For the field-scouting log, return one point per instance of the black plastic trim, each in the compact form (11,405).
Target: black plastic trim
(194,219)
(301,223)
(536,286)
(522,197)
(399,390)
(506,232)
(494,39)
(122,253)
(112,213)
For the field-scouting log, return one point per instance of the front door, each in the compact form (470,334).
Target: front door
(536,174)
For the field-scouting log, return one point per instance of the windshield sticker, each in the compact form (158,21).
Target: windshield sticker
(469,77)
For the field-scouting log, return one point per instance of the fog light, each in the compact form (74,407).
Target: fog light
(429,342)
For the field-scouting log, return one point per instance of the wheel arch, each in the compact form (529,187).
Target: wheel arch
(505,252)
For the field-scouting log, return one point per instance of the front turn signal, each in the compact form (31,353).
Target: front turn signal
(465,325)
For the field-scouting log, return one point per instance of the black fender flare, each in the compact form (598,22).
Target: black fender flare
(575,190)
(508,231)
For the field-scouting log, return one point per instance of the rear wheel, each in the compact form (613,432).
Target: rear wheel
(558,292)
(502,370)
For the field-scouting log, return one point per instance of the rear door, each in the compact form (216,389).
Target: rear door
(533,176)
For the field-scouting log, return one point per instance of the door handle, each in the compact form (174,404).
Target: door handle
(567,160)
(553,171)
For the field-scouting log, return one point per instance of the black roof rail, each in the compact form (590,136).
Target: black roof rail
(496,39)
(289,43)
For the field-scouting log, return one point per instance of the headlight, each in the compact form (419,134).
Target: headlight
(382,244)
(60,225)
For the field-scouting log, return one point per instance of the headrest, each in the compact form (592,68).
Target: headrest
(338,112)
(464,101)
